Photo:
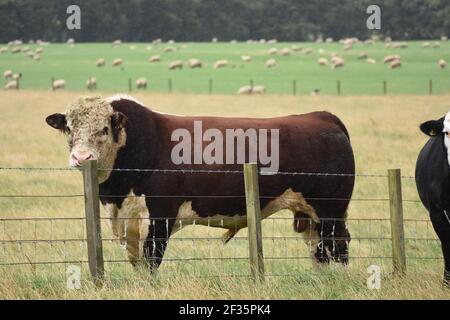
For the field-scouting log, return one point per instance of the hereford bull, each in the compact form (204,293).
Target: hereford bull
(147,207)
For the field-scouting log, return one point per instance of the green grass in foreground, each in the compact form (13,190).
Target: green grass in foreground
(76,64)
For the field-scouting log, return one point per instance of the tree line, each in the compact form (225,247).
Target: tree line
(201,20)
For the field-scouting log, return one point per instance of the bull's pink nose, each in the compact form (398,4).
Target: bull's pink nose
(81,157)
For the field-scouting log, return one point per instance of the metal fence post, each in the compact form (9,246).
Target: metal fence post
(254,221)
(93,226)
(397,228)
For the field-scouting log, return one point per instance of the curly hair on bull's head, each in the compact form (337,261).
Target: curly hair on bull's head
(94,131)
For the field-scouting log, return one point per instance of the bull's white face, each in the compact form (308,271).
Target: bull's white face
(93,131)
(446,131)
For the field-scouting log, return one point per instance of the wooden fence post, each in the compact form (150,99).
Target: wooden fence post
(254,221)
(170,85)
(397,229)
(430,87)
(338,84)
(93,226)
(53,81)
(210,86)
(384,87)
(294,87)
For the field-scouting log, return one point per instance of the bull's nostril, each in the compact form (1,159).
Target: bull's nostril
(89,157)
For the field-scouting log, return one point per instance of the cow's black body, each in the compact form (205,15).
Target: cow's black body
(323,147)
(433,185)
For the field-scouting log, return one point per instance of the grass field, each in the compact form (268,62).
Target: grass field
(76,64)
(384,133)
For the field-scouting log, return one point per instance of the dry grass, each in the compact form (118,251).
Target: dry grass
(384,133)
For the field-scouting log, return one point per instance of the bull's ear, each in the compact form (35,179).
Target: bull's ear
(118,121)
(433,127)
(57,121)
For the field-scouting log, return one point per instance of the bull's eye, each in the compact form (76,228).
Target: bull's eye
(67,130)
(104,132)
(446,133)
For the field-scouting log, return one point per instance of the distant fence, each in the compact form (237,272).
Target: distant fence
(291,87)
(87,245)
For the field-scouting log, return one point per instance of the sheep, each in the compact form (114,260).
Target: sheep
(3,49)
(252,90)
(36,57)
(91,83)
(155,58)
(322,62)
(194,63)
(12,85)
(70,41)
(308,51)
(58,84)
(363,55)
(425,45)
(157,40)
(116,43)
(17,76)
(396,64)
(169,49)
(436,45)
(233,41)
(214,40)
(262,41)
(271,63)
(177,64)
(259,90)
(348,47)
(100,62)
(25,49)
(220,64)
(285,51)
(246,58)
(7,74)
(141,83)
(329,40)
(369,42)
(117,62)
(371,61)
(444,38)
(272,41)
(273,51)
(442,63)
(337,63)
(30,55)
(171,42)
(245,90)
(320,51)
(296,48)
(15,50)
(391,58)
(39,50)
(315,92)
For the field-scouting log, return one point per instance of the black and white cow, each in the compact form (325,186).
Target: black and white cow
(433,181)
(147,207)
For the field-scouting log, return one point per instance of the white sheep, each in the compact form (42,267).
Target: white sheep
(273,51)
(116,43)
(70,41)
(91,83)
(246,58)
(271,63)
(15,50)
(220,64)
(117,62)
(17,76)
(396,64)
(322,61)
(36,57)
(285,51)
(141,83)
(169,49)
(371,61)
(177,64)
(390,58)
(308,51)
(12,85)
(39,50)
(7,74)
(3,49)
(194,63)
(337,63)
(214,40)
(442,63)
(436,45)
(258,90)
(245,90)
(363,55)
(272,41)
(58,84)
(425,45)
(100,62)
(154,58)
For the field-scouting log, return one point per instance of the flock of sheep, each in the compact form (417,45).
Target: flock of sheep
(334,61)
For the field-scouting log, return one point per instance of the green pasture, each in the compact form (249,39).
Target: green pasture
(75,64)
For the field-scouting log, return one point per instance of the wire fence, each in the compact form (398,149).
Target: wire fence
(58,241)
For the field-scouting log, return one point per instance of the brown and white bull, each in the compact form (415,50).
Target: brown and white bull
(147,207)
